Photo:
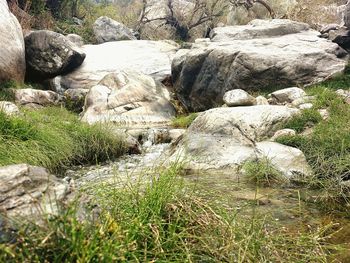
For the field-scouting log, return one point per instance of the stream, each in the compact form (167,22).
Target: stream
(291,208)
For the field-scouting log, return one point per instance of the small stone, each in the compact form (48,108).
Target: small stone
(9,108)
(305,106)
(288,95)
(324,113)
(303,100)
(261,100)
(281,133)
(238,97)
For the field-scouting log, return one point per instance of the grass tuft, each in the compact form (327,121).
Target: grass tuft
(54,138)
(184,121)
(262,173)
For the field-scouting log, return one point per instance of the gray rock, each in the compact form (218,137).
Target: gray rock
(9,108)
(28,190)
(202,74)
(281,133)
(148,57)
(347,15)
(76,39)
(238,97)
(107,29)
(305,106)
(36,98)
(128,99)
(261,100)
(49,54)
(288,95)
(12,55)
(223,139)
(289,161)
(258,29)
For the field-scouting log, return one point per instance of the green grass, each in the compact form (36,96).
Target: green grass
(54,138)
(184,121)
(327,148)
(307,119)
(160,220)
(262,173)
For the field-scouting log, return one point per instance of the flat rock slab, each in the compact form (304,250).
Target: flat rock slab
(253,57)
(148,57)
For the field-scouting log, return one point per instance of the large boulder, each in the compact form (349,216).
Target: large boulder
(50,54)
(128,99)
(223,139)
(12,55)
(260,55)
(27,190)
(107,29)
(149,57)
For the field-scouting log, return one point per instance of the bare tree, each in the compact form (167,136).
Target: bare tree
(203,12)
(248,4)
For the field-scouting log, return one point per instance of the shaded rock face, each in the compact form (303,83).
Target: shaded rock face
(50,54)
(148,57)
(128,99)
(223,139)
(107,29)
(36,98)
(12,55)
(28,190)
(260,55)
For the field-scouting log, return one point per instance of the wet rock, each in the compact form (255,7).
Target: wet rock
(148,57)
(249,58)
(28,190)
(107,29)
(36,98)
(128,99)
(9,108)
(12,55)
(49,54)
(238,97)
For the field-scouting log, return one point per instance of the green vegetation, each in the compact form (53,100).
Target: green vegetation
(184,121)
(307,119)
(55,139)
(160,220)
(327,148)
(262,173)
